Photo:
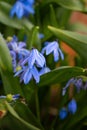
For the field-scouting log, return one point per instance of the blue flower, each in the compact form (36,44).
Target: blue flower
(10,97)
(35,58)
(79,84)
(17,47)
(53,47)
(28,66)
(26,74)
(72,106)
(71,81)
(22,8)
(17,51)
(63,113)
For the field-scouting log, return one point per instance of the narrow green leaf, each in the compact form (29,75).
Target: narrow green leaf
(10,83)
(24,112)
(76,40)
(60,75)
(78,26)
(5,58)
(53,17)
(69,4)
(13,112)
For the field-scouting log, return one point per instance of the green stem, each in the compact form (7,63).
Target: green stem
(37,104)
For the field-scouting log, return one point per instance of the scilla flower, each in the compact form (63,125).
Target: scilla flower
(17,50)
(72,106)
(35,58)
(53,47)
(17,47)
(22,8)
(77,82)
(26,74)
(63,113)
(71,81)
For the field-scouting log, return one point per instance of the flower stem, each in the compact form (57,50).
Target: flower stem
(37,104)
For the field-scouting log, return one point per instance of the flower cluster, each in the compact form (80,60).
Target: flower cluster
(71,108)
(77,82)
(17,51)
(28,64)
(22,8)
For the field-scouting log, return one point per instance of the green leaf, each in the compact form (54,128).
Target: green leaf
(5,58)
(68,4)
(10,83)
(12,123)
(13,112)
(60,75)
(77,26)
(24,112)
(63,16)
(77,41)
(53,17)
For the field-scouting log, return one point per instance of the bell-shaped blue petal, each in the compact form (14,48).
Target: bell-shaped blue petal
(35,74)
(27,76)
(63,113)
(71,81)
(31,73)
(22,8)
(79,84)
(53,47)
(72,106)
(17,9)
(35,58)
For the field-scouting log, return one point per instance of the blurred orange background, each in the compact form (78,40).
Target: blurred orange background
(75,17)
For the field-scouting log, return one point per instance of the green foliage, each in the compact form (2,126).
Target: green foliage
(56,75)
(37,107)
